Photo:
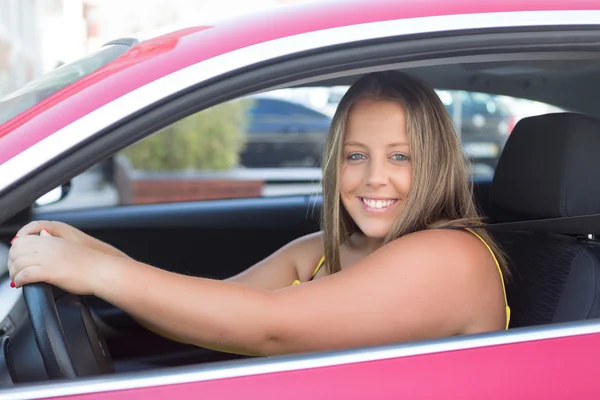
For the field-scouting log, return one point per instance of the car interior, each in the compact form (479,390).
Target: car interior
(546,171)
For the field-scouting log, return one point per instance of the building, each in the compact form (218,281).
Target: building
(20,57)
(36,36)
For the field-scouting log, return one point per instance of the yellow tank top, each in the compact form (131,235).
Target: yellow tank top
(506,307)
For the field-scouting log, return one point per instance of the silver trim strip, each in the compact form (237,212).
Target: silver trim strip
(207,372)
(89,125)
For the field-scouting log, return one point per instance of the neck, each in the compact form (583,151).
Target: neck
(359,240)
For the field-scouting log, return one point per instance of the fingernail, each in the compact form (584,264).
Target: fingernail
(12,284)
(15,238)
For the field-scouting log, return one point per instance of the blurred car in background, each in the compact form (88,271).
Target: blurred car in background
(283,133)
(483,123)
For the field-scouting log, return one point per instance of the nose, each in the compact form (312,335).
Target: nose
(377,174)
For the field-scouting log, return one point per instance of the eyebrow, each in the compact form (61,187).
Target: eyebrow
(365,146)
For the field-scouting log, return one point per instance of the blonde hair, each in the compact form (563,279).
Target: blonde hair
(440,195)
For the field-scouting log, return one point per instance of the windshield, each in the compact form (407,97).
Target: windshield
(37,90)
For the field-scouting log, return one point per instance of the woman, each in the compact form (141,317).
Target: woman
(394,175)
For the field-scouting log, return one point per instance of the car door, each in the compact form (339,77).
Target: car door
(554,364)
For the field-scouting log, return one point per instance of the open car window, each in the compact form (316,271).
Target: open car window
(37,90)
(268,145)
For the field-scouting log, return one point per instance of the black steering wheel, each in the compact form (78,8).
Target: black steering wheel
(65,333)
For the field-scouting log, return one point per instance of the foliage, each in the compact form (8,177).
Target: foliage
(209,140)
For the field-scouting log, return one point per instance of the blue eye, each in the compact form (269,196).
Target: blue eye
(355,157)
(399,157)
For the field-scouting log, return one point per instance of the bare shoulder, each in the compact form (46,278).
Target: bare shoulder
(455,263)
(427,284)
(456,247)
(284,266)
(306,251)
(308,241)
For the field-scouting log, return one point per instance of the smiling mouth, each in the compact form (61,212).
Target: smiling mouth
(377,205)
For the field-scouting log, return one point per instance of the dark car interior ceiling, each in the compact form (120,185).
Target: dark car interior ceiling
(572,83)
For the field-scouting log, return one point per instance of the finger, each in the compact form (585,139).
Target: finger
(34,228)
(31,274)
(26,245)
(21,263)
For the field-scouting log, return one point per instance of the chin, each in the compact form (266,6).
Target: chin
(375,232)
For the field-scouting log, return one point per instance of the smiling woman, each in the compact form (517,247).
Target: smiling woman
(379,158)
(393,171)
(394,145)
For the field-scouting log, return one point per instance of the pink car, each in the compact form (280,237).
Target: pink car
(541,202)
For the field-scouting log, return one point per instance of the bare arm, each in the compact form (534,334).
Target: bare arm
(275,272)
(284,266)
(401,292)
(68,232)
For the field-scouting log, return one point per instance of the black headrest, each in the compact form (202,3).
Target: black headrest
(549,168)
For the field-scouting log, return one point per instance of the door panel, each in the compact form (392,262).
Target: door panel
(547,369)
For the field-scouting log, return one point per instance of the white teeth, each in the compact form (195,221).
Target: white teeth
(378,203)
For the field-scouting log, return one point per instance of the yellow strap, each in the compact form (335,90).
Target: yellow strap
(321,261)
(501,275)
(319,265)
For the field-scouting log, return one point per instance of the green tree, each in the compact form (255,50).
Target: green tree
(208,140)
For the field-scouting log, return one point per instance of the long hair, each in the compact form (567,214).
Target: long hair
(440,195)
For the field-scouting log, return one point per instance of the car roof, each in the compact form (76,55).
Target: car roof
(152,59)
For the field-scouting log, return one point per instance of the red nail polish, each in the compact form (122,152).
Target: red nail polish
(12,284)
(15,238)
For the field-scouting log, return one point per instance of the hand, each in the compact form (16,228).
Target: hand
(69,233)
(56,229)
(63,263)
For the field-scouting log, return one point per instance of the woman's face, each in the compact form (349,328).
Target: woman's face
(376,171)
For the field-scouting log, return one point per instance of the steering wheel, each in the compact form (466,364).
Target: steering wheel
(65,333)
